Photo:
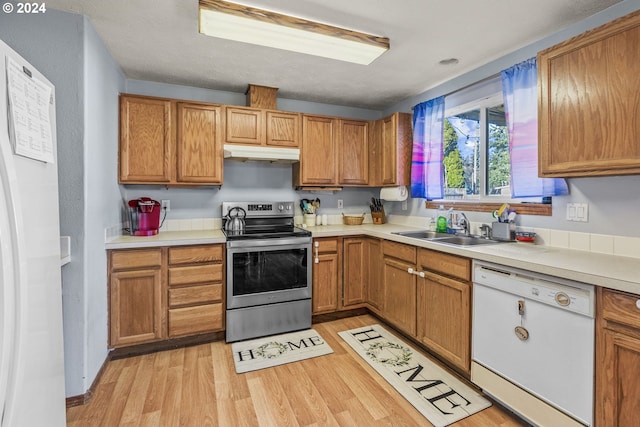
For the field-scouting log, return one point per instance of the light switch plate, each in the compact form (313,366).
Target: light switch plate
(578,212)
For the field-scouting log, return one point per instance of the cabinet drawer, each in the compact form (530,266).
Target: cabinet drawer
(447,264)
(190,295)
(325,246)
(195,254)
(400,251)
(621,308)
(195,274)
(191,320)
(135,258)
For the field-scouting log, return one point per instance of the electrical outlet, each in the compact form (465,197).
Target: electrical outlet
(340,204)
(166,205)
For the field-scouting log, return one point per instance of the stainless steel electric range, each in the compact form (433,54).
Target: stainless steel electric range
(268,272)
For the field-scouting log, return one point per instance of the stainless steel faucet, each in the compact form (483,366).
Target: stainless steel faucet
(463,221)
(485,231)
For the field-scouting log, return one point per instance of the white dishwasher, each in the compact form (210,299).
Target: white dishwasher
(533,343)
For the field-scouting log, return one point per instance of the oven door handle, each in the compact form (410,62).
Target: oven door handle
(260,243)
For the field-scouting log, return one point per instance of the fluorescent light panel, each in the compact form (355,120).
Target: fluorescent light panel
(250,25)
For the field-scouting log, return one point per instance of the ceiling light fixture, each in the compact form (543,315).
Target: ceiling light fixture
(246,24)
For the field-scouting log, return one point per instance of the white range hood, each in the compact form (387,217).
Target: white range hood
(269,154)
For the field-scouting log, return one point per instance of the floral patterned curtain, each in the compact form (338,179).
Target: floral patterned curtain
(520,92)
(426,160)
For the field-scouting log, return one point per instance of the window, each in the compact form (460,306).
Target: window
(476,151)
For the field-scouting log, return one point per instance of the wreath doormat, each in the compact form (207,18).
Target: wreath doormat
(277,350)
(439,396)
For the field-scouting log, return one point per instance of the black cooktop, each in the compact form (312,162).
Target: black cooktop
(276,232)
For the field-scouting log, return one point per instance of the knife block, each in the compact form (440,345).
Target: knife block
(379,217)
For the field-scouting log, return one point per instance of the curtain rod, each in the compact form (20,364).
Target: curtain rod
(491,77)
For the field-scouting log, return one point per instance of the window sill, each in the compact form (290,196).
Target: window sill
(520,208)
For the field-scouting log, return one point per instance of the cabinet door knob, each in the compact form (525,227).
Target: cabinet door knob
(638,303)
(410,270)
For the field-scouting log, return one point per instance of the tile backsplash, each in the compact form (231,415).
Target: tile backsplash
(598,243)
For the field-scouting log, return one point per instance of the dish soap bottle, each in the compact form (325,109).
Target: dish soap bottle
(441,224)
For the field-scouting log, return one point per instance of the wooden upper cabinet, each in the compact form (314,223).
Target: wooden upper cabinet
(146,140)
(319,152)
(283,129)
(391,144)
(354,152)
(168,142)
(244,125)
(589,103)
(199,150)
(254,126)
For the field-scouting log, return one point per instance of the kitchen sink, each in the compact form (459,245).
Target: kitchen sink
(466,240)
(422,234)
(446,238)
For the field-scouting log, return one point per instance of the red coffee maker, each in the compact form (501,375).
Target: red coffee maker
(144,216)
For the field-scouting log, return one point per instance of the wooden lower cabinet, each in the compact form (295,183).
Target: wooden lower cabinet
(195,289)
(617,400)
(354,272)
(327,274)
(374,283)
(161,293)
(136,297)
(444,306)
(399,286)
(195,319)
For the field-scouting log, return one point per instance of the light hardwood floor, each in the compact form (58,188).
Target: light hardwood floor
(198,386)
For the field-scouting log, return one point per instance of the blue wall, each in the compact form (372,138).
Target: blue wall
(614,202)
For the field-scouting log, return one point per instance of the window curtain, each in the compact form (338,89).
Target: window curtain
(520,92)
(427,152)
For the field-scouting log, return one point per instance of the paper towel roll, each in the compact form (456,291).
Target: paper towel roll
(394,194)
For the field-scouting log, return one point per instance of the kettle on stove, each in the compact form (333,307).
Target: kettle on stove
(235,220)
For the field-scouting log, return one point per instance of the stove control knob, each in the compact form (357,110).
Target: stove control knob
(280,207)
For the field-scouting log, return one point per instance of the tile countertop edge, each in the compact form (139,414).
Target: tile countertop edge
(623,272)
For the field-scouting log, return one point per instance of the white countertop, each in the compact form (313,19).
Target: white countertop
(168,238)
(611,271)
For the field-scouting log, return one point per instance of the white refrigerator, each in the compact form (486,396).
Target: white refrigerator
(31,346)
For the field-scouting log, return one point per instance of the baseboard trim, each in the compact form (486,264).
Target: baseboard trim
(170,344)
(328,317)
(83,399)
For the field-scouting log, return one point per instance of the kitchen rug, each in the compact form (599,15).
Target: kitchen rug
(436,394)
(277,350)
